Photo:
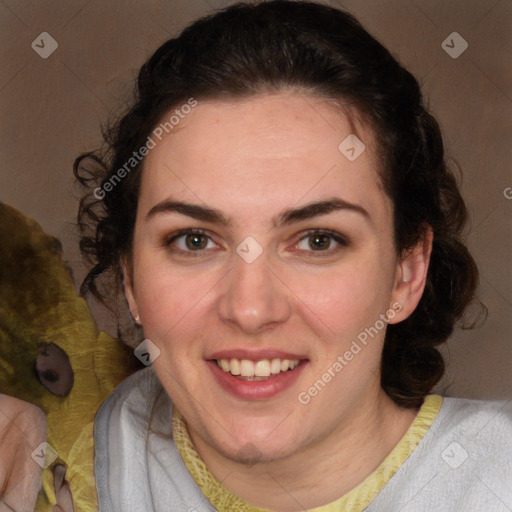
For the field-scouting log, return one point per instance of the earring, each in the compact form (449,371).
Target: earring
(137,319)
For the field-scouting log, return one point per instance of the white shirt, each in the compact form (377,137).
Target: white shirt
(463,463)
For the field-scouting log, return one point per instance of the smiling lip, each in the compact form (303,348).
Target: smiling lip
(256,389)
(255,355)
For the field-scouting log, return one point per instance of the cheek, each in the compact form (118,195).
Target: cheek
(346,299)
(172,301)
(172,308)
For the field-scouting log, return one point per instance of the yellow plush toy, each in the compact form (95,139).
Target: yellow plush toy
(51,354)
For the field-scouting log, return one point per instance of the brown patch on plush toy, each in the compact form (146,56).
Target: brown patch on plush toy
(54,369)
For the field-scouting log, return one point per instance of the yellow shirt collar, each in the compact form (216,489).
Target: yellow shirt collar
(355,500)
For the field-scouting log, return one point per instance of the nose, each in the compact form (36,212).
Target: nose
(253,297)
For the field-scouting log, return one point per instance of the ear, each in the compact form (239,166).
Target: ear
(129,291)
(411,277)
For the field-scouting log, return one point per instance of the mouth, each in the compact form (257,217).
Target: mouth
(258,378)
(263,369)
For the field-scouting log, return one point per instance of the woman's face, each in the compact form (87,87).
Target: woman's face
(266,277)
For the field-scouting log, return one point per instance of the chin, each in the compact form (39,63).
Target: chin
(259,448)
(251,454)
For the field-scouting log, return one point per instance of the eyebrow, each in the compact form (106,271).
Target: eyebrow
(287,217)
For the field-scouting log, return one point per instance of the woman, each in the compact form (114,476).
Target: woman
(278,207)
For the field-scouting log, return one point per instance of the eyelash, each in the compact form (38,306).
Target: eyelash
(337,237)
(333,235)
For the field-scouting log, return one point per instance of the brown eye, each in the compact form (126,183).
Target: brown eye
(321,241)
(195,241)
(189,241)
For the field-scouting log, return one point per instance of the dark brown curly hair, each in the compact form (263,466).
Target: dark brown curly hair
(252,48)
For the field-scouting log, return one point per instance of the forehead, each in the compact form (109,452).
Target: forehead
(273,149)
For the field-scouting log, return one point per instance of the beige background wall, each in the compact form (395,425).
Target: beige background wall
(51,110)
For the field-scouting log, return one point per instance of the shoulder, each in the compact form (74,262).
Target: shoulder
(137,464)
(462,463)
(124,416)
(471,442)
(476,419)
(472,446)
(120,432)
(478,431)
(135,394)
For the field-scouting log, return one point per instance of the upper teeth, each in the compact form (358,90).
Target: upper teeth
(263,368)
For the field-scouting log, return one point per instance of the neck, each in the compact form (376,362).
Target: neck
(321,472)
